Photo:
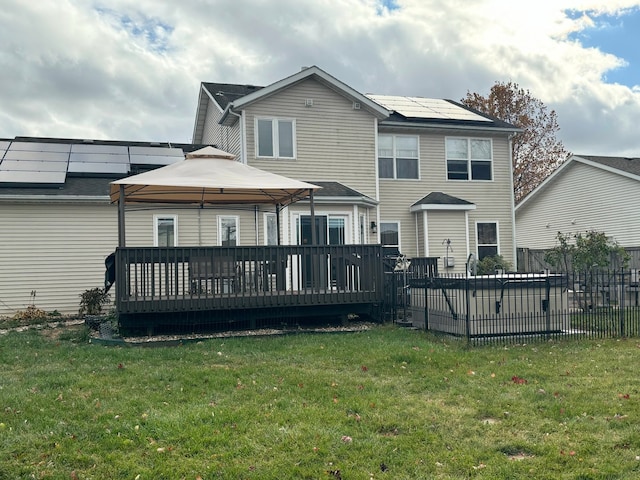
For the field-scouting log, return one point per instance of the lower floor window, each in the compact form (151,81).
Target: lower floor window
(487,234)
(390,234)
(165,231)
(228,231)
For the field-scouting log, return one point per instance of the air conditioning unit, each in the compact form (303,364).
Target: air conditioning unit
(449,262)
(356,105)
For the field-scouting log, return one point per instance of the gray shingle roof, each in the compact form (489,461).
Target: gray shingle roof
(439,198)
(624,164)
(335,189)
(225,93)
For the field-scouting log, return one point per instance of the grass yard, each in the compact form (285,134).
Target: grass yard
(386,403)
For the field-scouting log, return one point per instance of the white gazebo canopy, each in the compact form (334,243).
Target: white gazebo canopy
(208,176)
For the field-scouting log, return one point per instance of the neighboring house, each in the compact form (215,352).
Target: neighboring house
(584,193)
(57,223)
(428,176)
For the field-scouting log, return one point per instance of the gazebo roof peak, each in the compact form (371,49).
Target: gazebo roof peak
(210,152)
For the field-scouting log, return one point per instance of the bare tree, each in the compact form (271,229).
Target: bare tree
(536,151)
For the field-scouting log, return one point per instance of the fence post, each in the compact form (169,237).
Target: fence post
(621,307)
(547,287)
(468,311)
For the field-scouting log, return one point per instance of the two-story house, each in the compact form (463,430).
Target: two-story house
(428,176)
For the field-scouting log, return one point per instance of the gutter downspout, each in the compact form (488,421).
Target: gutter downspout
(243,158)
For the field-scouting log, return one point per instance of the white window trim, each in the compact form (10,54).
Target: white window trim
(348,226)
(397,222)
(265,216)
(395,158)
(469,159)
(237,220)
(156,218)
(497,235)
(275,137)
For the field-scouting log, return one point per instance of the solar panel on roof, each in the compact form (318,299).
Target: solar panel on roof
(156,151)
(98,158)
(96,167)
(32,166)
(419,107)
(154,159)
(7,176)
(40,147)
(40,156)
(99,149)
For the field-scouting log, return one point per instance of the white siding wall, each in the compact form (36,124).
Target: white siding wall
(334,141)
(225,138)
(58,251)
(581,198)
(448,225)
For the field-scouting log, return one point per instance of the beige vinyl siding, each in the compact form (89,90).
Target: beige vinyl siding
(58,251)
(223,137)
(493,199)
(450,225)
(581,198)
(334,142)
(196,227)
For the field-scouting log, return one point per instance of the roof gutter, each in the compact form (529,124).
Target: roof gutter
(364,200)
(439,126)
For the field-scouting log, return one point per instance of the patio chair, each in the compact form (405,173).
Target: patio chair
(214,274)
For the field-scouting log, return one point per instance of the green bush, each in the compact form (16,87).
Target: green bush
(489,265)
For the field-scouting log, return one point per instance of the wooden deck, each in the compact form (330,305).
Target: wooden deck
(253,281)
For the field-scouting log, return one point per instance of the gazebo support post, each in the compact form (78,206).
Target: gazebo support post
(314,240)
(121,236)
(278,207)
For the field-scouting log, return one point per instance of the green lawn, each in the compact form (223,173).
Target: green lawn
(387,403)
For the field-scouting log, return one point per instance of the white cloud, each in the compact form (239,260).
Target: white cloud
(130,70)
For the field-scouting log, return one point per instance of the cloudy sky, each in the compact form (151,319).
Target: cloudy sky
(131,69)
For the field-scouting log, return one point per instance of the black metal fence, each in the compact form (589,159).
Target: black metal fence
(517,307)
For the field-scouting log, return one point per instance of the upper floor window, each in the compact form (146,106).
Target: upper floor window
(469,158)
(398,156)
(165,231)
(275,137)
(487,234)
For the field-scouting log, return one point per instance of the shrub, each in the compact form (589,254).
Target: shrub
(92,301)
(489,265)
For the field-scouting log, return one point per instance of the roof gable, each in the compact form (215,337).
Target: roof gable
(625,167)
(441,201)
(311,72)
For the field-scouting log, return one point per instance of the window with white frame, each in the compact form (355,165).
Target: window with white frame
(487,238)
(270,229)
(469,158)
(398,156)
(165,230)
(227,231)
(275,137)
(390,234)
(361,228)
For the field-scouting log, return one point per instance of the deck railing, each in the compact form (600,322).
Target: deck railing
(179,279)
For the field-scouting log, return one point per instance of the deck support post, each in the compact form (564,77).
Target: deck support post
(278,208)
(314,240)
(121,231)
